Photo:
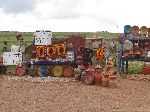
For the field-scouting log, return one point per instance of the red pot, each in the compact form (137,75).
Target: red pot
(20,71)
(126,53)
(89,79)
(98,79)
(137,52)
(146,43)
(131,54)
(146,70)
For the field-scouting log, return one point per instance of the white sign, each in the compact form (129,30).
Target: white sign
(43,37)
(12,58)
(70,55)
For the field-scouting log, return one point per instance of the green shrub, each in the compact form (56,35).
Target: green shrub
(135,69)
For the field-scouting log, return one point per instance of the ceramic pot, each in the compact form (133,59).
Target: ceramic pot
(20,70)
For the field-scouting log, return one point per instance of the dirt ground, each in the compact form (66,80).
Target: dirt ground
(27,96)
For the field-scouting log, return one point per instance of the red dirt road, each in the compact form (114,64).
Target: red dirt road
(23,96)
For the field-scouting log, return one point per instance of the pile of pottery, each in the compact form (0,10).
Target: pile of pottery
(102,77)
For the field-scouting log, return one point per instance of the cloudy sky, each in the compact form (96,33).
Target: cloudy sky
(73,15)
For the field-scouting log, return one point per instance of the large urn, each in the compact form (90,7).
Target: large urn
(89,77)
(98,75)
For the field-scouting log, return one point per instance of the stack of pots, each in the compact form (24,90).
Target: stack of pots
(137,51)
(105,78)
(131,53)
(98,75)
(89,77)
(112,82)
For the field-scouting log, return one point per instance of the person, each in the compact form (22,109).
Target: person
(87,55)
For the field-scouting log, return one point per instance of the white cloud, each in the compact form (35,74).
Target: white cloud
(17,6)
(74,15)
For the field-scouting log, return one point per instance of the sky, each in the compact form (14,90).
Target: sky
(73,15)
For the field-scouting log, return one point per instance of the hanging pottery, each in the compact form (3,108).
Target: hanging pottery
(137,52)
(135,30)
(127,29)
(126,53)
(148,32)
(143,30)
(146,44)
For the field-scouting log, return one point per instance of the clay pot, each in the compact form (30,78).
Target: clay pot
(20,70)
(89,79)
(98,75)
(146,70)
(67,71)
(90,70)
(143,30)
(135,30)
(126,53)
(105,81)
(98,79)
(131,54)
(146,43)
(105,78)
(112,81)
(137,52)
